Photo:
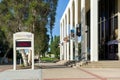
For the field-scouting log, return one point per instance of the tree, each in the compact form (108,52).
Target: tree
(54,47)
(3,44)
(27,15)
(42,39)
(52,14)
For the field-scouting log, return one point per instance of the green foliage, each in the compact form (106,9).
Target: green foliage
(28,15)
(3,43)
(48,59)
(51,16)
(42,39)
(54,47)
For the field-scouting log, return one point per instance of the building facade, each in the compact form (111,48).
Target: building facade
(99,26)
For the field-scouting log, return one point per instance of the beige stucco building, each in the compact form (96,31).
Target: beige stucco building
(99,23)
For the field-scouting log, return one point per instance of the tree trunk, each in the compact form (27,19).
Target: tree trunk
(4,57)
(30,57)
(24,57)
(39,57)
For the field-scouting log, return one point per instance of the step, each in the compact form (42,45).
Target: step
(102,64)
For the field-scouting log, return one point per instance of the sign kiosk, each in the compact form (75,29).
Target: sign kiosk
(23,40)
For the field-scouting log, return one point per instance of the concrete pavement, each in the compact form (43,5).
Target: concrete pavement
(67,73)
(25,74)
(53,71)
(5,67)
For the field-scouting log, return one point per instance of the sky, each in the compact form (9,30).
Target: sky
(60,10)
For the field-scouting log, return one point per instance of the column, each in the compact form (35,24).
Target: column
(33,56)
(94,30)
(119,28)
(76,23)
(60,41)
(83,32)
(14,53)
(65,50)
(71,27)
(68,36)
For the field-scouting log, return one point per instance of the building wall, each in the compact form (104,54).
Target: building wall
(97,28)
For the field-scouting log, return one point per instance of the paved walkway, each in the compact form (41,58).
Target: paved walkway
(52,71)
(5,67)
(26,74)
(7,73)
(55,72)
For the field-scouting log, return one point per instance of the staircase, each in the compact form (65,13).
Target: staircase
(62,62)
(102,64)
(67,63)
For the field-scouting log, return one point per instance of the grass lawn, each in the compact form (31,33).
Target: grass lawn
(48,59)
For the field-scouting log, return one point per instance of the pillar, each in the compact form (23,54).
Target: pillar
(68,35)
(76,22)
(62,45)
(94,30)
(71,27)
(83,32)
(33,56)
(60,41)
(14,55)
(65,53)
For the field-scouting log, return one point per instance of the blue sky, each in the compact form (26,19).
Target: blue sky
(60,10)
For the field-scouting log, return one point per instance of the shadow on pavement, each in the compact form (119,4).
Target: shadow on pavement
(50,66)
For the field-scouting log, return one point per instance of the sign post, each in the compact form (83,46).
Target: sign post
(23,40)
